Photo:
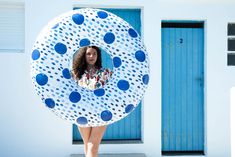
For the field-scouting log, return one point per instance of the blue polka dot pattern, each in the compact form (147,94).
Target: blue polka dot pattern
(35,54)
(140,56)
(60,48)
(102,14)
(56,25)
(109,38)
(51,67)
(84,42)
(117,62)
(74,97)
(41,79)
(106,115)
(50,103)
(66,73)
(123,85)
(82,120)
(132,33)
(145,79)
(99,92)
(129,108)
(78,18)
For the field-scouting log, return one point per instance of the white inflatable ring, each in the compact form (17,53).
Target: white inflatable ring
(50,67)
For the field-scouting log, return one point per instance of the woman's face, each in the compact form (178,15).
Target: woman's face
(91,56)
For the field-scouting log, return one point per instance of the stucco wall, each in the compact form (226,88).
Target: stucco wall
(29,129)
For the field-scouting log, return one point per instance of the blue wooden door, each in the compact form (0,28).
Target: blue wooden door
(128,128)
(182,87)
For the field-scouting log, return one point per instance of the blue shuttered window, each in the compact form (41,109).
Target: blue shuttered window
(129,128)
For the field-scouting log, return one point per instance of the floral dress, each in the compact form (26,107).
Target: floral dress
(94,78)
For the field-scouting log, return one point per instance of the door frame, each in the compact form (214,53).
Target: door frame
(204,23)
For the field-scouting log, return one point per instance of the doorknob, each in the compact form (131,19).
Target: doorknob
(201,80)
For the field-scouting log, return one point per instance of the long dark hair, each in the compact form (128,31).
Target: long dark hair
(80,64)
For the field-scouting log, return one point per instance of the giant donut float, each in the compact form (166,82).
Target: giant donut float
(50,67)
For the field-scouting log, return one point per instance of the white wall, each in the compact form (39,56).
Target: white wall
(29,129)
(232,112)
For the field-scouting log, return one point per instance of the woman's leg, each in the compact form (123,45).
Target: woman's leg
(94,140)
(85,133)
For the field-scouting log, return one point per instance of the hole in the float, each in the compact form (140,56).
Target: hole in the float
(91,67)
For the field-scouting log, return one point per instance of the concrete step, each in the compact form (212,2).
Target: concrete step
(114,155)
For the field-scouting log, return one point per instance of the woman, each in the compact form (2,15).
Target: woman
(88,72)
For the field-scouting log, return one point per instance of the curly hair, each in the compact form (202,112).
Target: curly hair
(79,61)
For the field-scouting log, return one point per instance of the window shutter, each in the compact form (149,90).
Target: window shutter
(231,44)
(12,27)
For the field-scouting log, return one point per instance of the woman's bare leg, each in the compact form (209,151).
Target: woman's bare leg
(85,133)
(94,141)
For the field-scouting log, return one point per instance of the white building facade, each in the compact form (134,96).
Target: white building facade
(28,129)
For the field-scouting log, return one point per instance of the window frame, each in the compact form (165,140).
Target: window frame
(19,48)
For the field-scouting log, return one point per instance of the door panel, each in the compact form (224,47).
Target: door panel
(182,88)
(129,128)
